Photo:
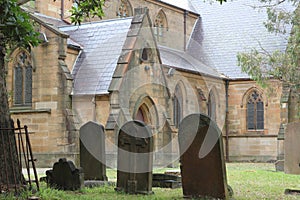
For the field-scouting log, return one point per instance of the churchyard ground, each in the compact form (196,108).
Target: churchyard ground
(251,181)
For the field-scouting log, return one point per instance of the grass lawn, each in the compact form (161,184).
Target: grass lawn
(248,180)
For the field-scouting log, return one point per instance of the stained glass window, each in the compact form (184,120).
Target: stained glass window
(177,106)
(212,106)
(255,111)
(124,9)
(160,23)
(22,80)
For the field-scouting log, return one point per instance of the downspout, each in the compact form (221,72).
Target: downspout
(226,122)
(62,10)
(184,29)
(94,108)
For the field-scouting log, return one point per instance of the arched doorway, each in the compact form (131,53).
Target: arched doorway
(143,114)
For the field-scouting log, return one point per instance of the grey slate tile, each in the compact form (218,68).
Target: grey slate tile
(102,43)
(234,27)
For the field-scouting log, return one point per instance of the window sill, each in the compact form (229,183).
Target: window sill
(254,134)
(20,110)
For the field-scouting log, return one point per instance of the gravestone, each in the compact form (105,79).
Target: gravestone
(292,148)
(135,158)
(203,171)
(65,176)
(92,151)
(166,181)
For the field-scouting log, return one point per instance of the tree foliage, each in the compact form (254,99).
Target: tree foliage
(262,65)
(86,9)
(16,28)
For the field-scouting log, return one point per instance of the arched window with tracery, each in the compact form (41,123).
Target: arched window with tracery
(22,79)
(255,111)
(177,106)
(160,25)
(212,106)
(124,9)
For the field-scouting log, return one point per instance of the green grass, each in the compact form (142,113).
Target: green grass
(252,181)
(260,181)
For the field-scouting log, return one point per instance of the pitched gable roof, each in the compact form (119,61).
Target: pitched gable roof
(233,27)
(102,44)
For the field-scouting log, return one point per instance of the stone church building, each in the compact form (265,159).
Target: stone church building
(152,60)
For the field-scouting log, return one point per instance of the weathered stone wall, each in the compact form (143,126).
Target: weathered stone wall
(48,121)
(175,20)
(53,8)
(253,145)
(253,148)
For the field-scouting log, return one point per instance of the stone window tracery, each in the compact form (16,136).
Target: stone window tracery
(160,25)
(22,80)
(255,111)
(124,9)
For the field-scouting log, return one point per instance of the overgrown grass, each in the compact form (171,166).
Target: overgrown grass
(251,181)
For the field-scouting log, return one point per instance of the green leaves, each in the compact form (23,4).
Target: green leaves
(262,65)
(16,27)
(86,9)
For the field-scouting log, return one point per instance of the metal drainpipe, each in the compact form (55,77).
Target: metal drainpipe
(184,29)
(226,122)
(62,7)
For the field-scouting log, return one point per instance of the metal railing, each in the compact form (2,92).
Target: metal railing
(16,142)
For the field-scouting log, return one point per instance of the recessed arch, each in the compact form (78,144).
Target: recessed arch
(248,92)
(160,24)
(124,9)
(21,72)
(254,104)
(179,99)
(145,110)
(212,104)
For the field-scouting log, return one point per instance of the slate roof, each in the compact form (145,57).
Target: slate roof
(102,43)
(183,4)
(231,28)
(50,20)
(183,61)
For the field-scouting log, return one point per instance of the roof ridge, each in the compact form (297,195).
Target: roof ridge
(82,25)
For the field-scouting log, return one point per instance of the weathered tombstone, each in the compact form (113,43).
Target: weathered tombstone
(166,181)
(135,157)
(92,151)
(65,176)
(202,167)
(292,148)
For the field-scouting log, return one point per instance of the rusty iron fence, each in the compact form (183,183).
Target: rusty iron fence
(18,143)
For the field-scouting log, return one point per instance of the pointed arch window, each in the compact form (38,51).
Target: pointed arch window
(160,25)
(22,72)
(124,9)
(177,106)
(212,106)
(255,111)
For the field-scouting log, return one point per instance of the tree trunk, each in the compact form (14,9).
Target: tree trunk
(10,170)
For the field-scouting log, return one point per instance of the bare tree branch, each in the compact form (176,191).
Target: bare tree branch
(267,6)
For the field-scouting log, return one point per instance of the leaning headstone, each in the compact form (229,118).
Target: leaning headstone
(292,149)
(135,157)
(65,176)
(92,151)
(202,167)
